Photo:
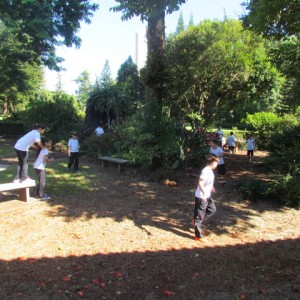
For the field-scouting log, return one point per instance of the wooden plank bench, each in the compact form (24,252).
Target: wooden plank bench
(23,189)
(114,160)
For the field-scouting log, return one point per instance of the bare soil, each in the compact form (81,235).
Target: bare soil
(131,238)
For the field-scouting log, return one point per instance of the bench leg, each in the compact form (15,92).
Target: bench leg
(24,194)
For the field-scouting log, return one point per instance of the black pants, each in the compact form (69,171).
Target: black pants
(204,209)
(74,158)
(22,169)
(41,174)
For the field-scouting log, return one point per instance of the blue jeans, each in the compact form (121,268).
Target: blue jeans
(204,209)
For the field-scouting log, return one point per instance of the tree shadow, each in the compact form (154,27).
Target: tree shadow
(266,270)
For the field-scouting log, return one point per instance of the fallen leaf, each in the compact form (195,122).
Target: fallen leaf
(196,274)
(96,280)
(42,284)
(168,293)
(21,258)
(103,284)
(80,293)
(117,275)
(242,297)
(66,278)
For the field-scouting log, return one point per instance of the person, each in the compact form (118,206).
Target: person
(204,204)
(73,152)
(219,153)
(39,168)
(220,135)
(231,143)
(22,147)
(99,130)
(250,147)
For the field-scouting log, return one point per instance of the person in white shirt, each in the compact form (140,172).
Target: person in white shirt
(250,147)
(231,143)
(99,130)
(204,204)
(39,168)
(219,153)
(220,135)
(73,152)
(22,147)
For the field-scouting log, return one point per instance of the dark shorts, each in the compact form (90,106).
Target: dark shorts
(231,148)
(249,152)
(221,169)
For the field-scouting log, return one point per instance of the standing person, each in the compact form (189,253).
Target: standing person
(99,130)
(39,168)
(73,152)
(219,153)
(250,147)
(22,147)
(231,143)
(220,135)
(204,204)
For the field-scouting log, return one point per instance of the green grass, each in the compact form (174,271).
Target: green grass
(59,181)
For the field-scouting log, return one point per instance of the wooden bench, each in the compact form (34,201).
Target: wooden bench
(114,160)
(23,189)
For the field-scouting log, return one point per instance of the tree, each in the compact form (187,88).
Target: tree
(105,80)
(43,25)
(84,87)
(278,18)
(180,25)
(218,71)
(154,77)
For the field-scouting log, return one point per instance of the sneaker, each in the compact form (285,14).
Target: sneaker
(45,198)
(27,180)
(201,240)
(16,181)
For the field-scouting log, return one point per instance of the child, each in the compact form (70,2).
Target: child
(22,146)
(219,153)
(99,130)
(204,204)
(250,147)
(39,168)
(231,143)
(73,152)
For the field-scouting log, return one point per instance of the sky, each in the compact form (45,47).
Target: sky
(110,38)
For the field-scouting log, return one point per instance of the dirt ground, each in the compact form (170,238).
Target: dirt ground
(130,238)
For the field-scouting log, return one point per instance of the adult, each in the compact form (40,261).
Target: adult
(204,204)
(22,147)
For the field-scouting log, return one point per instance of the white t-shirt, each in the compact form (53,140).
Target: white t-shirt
(217,152)
(99,131)
(231,141)
(26,141)
(220,134)
(74,145)
(207,176)
(40,163)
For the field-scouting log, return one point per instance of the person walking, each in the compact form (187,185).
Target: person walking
(250,148)
(204,204)
(22,150)
(219,153)
(39,168)
(73,152)
(231,143)
(220,135)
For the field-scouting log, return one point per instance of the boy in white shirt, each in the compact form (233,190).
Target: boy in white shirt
(204,204)
(231,143)
(39,168)
(73,152)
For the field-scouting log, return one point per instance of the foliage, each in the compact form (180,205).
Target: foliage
(143,138)
(284,164)
(43,25)
(84,88)
(218,71)
(277,18)
(59,111)
(102,145)
(266,123)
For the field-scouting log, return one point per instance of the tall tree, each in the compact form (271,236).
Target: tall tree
(43,25)
(105,80)
(278,18)
(84,88)
(154,77)
(180,24)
